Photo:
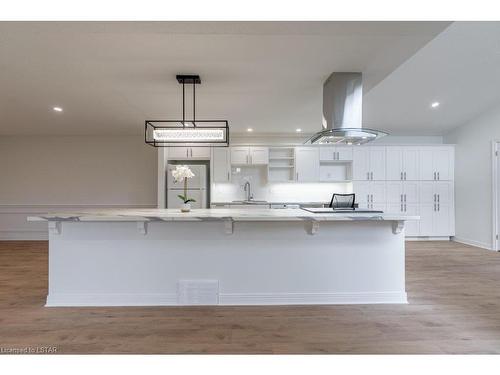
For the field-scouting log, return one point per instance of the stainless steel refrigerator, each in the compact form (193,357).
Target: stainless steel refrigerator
(197,187)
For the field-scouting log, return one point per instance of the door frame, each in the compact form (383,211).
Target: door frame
(495,147)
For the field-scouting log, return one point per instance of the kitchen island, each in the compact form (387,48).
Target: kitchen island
(224,257)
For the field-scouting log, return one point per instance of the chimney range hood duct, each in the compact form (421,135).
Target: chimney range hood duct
(342,112)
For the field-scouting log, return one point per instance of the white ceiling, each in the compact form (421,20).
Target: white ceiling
(109,77)
(460,69)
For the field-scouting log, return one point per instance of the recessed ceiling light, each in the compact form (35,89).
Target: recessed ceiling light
(249,130)
(435,104)
(298,130)
(57,109)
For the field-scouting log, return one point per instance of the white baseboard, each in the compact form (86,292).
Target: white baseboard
(445,238)
(228,299)
(466,241)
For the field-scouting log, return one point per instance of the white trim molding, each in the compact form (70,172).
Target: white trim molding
(494,194)
(228,299)
(465,241)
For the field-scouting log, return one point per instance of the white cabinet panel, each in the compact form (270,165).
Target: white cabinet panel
(426,219)
(178,153)
(411,191)
(412,227)
(244,155)
(410,163)
(199,152)
(436,163)
(394,163)
(443,163)
(369,163)
(307,164)
(361,164)
(221,168)
(377,163)
(240,155)
(184,153)
(326,153)
(344,153)
(441,220)
(377,191)
(259,155)
(394,191)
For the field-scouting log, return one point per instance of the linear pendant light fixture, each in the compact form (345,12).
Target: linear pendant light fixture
(181,133)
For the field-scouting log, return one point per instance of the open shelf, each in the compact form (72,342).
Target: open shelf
(281,166)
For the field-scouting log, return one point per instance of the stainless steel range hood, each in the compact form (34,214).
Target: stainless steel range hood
(343,111)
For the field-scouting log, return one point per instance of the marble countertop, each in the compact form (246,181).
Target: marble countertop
(217,214)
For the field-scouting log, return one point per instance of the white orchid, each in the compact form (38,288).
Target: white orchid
(182,172)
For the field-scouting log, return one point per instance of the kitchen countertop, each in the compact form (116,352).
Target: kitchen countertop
(218,214)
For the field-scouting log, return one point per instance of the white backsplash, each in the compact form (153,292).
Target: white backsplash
(274,191)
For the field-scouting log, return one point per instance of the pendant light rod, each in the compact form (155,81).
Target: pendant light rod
(194,79)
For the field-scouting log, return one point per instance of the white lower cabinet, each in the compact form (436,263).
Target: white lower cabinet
(370,194)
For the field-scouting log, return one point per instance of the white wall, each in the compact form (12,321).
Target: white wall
(39,174)
(473,163)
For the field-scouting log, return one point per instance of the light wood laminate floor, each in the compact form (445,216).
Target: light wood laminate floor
(453,289)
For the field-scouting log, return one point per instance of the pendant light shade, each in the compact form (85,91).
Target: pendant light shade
(181,133)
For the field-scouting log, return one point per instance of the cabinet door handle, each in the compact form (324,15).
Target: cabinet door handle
(434,175)
(401,196)
(372,197)
(228,176)
(401,207)
(405,176)
(434,206)
(438,175)
(401,176)
(438,197)
(434,198)
(367,175)
(187,152)
(297,175)
(405,198)
(368,199)
(191,152)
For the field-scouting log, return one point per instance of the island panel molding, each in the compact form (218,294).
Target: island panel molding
(102,259)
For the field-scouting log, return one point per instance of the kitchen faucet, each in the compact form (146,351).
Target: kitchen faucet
(246,187)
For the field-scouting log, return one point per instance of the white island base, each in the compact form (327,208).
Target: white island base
(217,259)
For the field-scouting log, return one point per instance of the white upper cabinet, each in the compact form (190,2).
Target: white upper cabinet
(259,155)
(244,155)
(240,155)
(402,163)
(184,153)
(307,164)
(221,167)
(436,163)
(178,153)
(369,163)
(199,152)
(335,153)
